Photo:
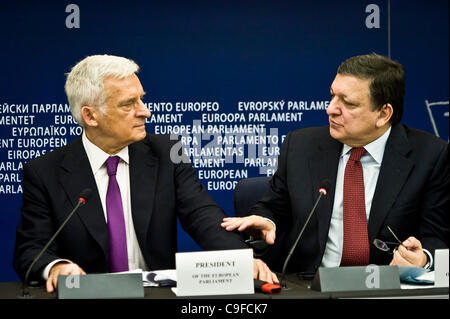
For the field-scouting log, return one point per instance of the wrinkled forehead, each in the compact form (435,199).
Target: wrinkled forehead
(127,86)
(350,85)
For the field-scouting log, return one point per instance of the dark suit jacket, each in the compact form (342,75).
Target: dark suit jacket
(411,194)
(160,191)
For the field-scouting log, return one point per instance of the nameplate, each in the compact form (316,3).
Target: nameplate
(100,286)
(220,272)
(441,268)
(357,278)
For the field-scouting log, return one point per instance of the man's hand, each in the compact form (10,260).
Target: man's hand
(255,226)
(61,268)
(409,253)
(262,272)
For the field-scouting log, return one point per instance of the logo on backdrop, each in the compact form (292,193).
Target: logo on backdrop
(438,112)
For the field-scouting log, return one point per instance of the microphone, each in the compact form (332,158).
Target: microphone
(85,195)
(322,192)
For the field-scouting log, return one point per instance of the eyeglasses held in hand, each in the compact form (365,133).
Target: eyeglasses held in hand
(387,246)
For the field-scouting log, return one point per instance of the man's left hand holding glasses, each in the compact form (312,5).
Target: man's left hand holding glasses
(409,253)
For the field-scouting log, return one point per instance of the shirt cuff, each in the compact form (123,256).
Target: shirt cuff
(430,262)
(46,271)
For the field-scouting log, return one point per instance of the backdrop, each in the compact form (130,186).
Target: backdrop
(231,78)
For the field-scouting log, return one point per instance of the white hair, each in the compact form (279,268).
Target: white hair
(84,84)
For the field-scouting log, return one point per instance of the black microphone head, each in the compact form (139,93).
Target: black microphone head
(85,195)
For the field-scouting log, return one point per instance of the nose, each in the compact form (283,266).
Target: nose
(333,107)
(142,110)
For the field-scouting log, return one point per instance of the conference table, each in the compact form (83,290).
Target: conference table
(297,298)
(295,289)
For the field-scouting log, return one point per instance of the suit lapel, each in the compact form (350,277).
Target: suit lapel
(323,166)
(394,171)
(76,175)
(143,177)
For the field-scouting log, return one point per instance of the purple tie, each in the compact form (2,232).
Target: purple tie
(116,224)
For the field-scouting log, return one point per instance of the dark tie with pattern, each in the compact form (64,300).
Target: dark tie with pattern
(116,224)
(355,251)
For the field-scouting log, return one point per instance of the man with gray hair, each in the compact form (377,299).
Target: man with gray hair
(131,220)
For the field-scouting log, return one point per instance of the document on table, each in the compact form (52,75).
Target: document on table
(160,278)
(156,278)
(416,278)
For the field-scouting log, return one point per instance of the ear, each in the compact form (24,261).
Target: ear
(89,115)
(384,115)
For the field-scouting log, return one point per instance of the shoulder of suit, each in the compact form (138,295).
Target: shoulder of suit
(159,139)
(54,156)
(422,136)
(316,131)
(310,139)
(423,141)
(311,135)
(157,143)
(417,143)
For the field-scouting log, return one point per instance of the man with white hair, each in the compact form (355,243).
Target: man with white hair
(130,221)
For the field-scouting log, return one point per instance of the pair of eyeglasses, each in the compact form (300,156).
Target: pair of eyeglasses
(387,246)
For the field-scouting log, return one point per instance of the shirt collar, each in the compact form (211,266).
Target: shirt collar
(375,148)
(97,157)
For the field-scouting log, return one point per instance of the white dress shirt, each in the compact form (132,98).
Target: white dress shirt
(371,163)
(97,158)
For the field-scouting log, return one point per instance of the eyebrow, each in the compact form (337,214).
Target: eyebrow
(342,95)
(345,98)
(133,99)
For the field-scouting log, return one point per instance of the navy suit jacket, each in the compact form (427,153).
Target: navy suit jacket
(411,194)
(160,191)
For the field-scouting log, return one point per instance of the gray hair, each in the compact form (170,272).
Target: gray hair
(84,84)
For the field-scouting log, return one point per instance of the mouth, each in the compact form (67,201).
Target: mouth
(334,124)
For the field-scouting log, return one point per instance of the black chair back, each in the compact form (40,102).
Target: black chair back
(246,193)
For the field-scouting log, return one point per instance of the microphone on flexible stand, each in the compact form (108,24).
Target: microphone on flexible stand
(322,192)
(83,198)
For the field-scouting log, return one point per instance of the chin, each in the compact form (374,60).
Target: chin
(334,133)
(337,135)
(142,135)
